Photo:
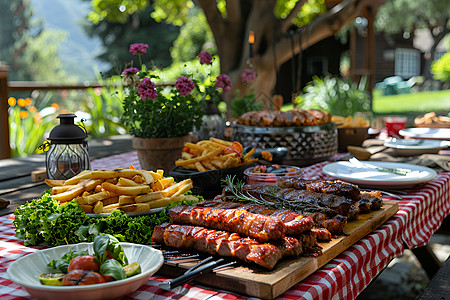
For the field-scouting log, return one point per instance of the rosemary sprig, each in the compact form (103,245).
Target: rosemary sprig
(275,201)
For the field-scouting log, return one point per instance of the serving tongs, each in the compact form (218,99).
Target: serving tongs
(201,268)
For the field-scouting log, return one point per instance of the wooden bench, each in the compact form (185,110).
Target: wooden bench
(439,285)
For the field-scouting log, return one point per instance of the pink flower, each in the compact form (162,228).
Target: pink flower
(248,75)
(147,89)
(130,71)
(184,85)
(223,81)
(205,58)
(138,48)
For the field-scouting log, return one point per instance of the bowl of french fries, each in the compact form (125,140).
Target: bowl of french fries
(136,192)
(208,161)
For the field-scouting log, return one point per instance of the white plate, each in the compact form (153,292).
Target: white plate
(25,272)
(427,133)
(131,214)
(346,171)
(416,146)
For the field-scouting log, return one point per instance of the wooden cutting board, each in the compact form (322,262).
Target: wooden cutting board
(258,282)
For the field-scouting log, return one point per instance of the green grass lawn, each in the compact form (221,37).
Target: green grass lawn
(414,103)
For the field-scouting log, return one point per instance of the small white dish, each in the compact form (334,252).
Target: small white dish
(26,270)
(346,171)
(408,147)
(426,133)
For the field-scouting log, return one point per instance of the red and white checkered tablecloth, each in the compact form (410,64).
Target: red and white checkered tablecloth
(420,213)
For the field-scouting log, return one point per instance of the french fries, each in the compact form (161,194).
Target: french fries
(214,154)
(129,190)
(343,122)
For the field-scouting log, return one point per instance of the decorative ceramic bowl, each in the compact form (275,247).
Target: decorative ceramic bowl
(26,270)
(306,144)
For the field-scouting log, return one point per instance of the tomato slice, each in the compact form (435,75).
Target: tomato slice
(230,149)
(238,147)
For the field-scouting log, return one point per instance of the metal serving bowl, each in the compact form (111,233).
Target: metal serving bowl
(306,144)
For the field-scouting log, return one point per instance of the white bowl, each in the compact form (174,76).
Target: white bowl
(26,270)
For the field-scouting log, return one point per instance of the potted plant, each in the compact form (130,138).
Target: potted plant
(161,118)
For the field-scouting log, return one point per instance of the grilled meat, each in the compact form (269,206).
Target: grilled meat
(294,222)
(369,201)
(259,227)
(332,204)
(335,187)
(365,201)
(226,244)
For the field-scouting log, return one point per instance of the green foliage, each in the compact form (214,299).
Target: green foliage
(397,16)
(28,123)
(104,108)
(309,10)
(441,68)
(195,36)
(117,36)
(245,103)
(30,51)
(171,11)
(337,96)
(169,115)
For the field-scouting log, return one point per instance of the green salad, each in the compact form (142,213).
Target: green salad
(44,220)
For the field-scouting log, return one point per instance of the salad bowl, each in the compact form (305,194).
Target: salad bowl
(26,270)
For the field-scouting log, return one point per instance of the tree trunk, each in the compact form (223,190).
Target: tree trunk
(272,46)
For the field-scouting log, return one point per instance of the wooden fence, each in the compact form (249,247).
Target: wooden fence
(7,87)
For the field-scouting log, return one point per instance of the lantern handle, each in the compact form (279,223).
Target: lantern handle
(83,126)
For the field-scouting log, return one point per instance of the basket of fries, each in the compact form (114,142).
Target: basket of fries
(135,192)
(208,161)
(352,131)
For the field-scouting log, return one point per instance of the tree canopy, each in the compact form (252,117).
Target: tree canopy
(404,16)
(26,46)
(273,23)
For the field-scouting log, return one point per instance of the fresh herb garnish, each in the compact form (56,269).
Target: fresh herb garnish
(63,263)
(273,200)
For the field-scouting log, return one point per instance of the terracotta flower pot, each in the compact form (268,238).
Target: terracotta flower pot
(159,153)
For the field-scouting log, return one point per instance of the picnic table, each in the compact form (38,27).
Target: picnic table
(421,212)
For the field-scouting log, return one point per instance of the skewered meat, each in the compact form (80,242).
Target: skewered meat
(335,187)
(294,222)
(260,227)
(226,244)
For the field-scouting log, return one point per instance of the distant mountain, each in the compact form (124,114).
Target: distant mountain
(78,52)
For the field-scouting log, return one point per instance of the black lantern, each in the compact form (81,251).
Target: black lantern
(67,154)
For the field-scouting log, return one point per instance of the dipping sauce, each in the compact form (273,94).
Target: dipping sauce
(268,174)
